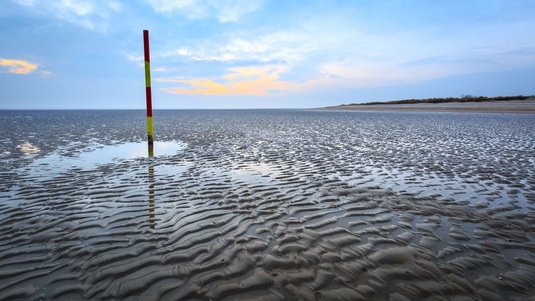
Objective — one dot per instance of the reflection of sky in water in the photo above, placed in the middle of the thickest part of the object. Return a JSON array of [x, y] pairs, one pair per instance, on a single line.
[[246, 172], [452, 187], [101, 154]]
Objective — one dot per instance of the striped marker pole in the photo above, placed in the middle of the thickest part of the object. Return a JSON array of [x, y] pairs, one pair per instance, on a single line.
[[148, 92]]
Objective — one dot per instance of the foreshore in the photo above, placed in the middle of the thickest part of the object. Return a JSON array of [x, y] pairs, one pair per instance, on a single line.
[[267, 205], [512, 106]]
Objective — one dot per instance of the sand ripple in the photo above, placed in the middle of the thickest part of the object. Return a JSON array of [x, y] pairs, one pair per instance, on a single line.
[[290, 205]]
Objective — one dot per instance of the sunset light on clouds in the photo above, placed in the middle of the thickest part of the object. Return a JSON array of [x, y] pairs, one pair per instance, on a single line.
[[241, 53], [255, 81], [17, 66]]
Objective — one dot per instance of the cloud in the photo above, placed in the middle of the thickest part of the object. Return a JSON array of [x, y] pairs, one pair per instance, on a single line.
[[233, 10], [279, 46], [332, 53], [271, 48], [223, 10], [256, 81], [354, 62], [265, 81], [191, 8], [90, 14], [18, 66]]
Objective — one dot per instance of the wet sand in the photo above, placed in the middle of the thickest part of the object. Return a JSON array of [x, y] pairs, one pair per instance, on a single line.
[[268, 205], [514, 106]]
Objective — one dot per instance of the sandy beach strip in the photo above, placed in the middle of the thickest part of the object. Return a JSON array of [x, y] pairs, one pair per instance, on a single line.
[[514, 106]]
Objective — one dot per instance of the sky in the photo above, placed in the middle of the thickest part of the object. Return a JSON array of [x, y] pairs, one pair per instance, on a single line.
[[88, 54]]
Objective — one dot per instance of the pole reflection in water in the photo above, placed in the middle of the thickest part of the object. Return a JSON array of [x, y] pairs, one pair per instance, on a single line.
[[151, 187], [150, 145]]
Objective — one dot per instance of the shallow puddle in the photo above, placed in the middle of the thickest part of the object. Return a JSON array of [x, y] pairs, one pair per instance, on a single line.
[[99, 154]]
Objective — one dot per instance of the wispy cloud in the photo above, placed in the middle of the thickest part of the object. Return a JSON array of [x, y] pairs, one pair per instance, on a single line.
[[223, 10], [17, 66], [257, 81], [349, 73], [339, 51], [90, 14], [275, 47], [314, 57]]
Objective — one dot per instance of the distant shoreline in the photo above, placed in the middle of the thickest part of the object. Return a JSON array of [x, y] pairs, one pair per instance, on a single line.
[[519, 106]]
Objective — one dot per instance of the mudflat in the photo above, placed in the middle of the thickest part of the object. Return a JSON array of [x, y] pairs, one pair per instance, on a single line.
[[267, 205], [512, 106]]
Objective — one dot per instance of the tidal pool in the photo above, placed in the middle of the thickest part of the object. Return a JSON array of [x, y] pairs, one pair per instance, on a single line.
[[99, 154]]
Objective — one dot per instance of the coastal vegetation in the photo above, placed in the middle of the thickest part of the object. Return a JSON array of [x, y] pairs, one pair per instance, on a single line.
[[464, 98]]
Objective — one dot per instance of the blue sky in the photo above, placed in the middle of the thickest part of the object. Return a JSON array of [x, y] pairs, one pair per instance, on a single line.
[[75, 54]]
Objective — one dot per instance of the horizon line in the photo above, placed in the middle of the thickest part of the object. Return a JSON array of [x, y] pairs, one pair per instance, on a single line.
[[126, 109]]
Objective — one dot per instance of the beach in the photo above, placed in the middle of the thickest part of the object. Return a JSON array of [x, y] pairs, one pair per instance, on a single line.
[[513, 106], [269, 205]]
